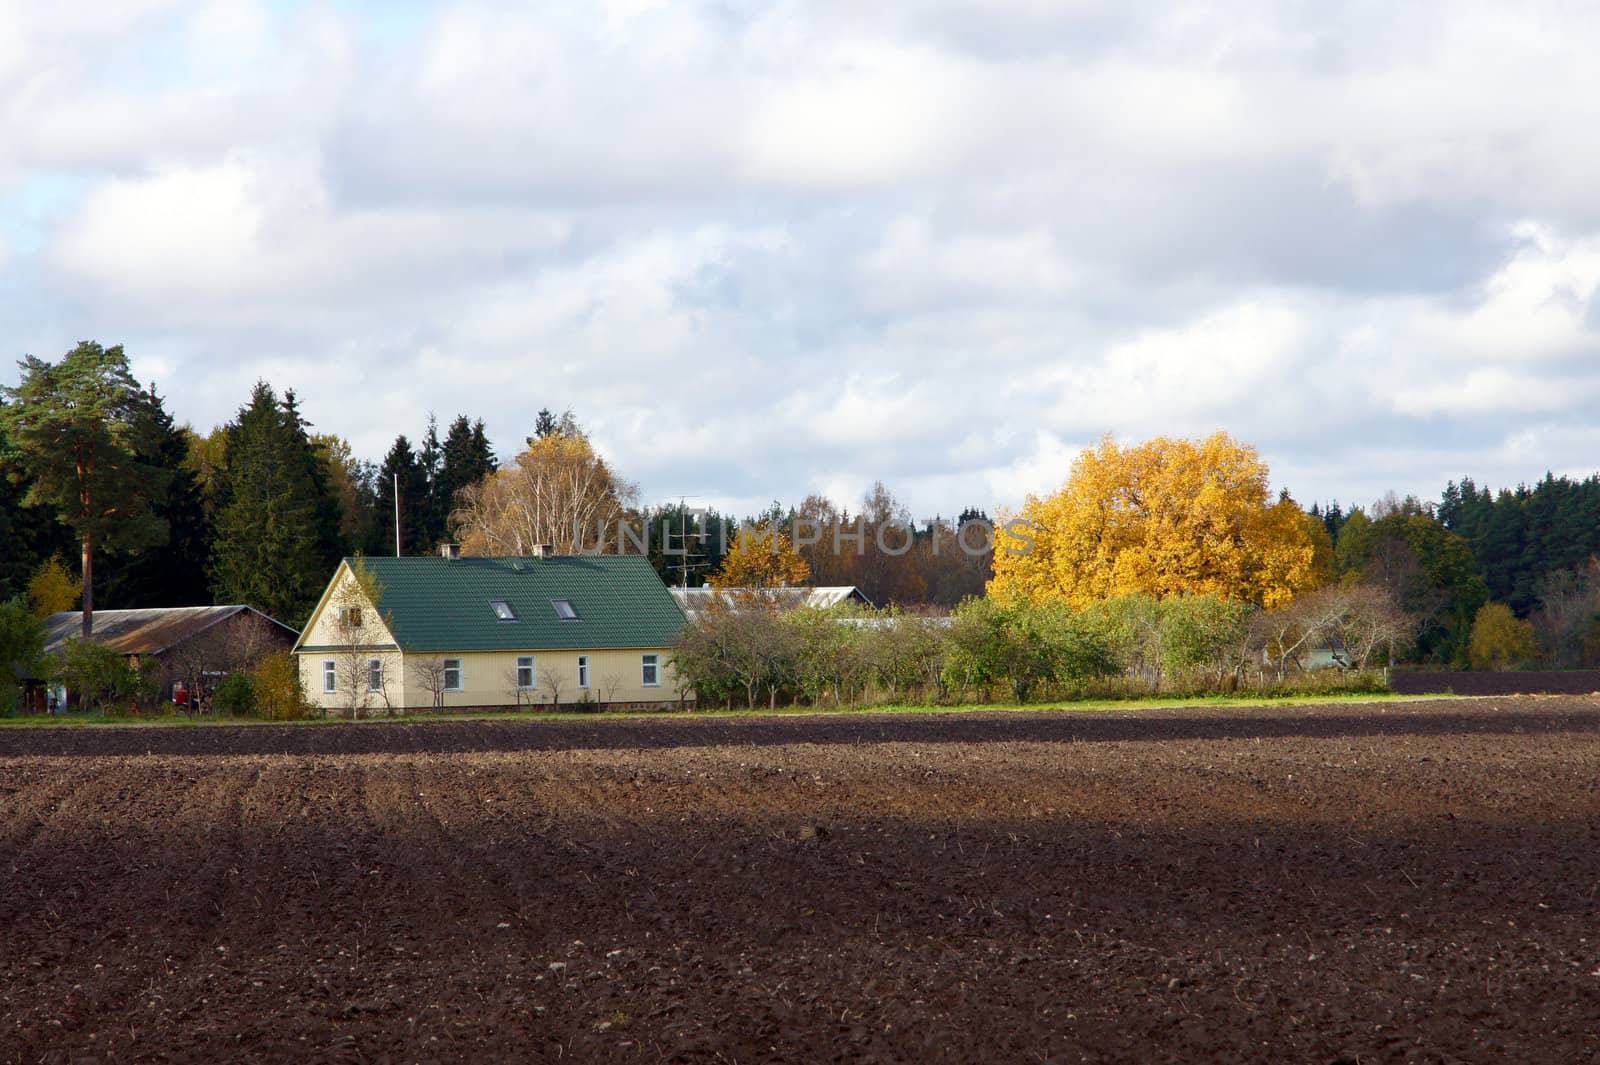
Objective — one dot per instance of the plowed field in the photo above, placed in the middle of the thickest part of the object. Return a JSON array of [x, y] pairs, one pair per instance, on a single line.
[[1385, 883]]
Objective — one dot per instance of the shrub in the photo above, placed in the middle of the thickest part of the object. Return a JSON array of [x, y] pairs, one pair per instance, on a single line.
[[1499, 640], [276, 685], [21, 650], [236, 695], [1023, 645], [101, 677]]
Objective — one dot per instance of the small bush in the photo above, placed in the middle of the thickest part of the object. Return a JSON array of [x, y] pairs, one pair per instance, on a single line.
[[236, 695], [276, 685]]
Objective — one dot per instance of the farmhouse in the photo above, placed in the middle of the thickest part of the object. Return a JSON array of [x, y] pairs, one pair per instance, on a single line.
[[451, 632], [193, 646]]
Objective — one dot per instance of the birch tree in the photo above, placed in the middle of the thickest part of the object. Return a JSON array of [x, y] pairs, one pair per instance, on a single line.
[[560, 492]]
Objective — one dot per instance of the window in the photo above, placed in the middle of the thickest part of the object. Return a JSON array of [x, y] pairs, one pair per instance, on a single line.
[[583, 671], [452, 674], [352, 617], [330, 676], [502, 610], [564, 609], [525, 672], [374, 674], [651, 677]]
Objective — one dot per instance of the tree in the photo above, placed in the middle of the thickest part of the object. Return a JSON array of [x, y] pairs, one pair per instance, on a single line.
[[1023, 644], [351, 482], [1373, 622], [555, 680], [278, 692], [172, 573], [21, 650], [101, 676], [31, 535], [907, 653], [608, 683], [1568, 618], [1205, 634], [434, 512], [431, 676], [401, 468], [1500, 640], [1428, 572], [277, 535], [560, 493], [53, 589], [465, 459], [1132, 629], [885, 570], [761, 557], [78, 428], [760, 649], [828, 654], [234, 646], [1167, 517], [361, 636]]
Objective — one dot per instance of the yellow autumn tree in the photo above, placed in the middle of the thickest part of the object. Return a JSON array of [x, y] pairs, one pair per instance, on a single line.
[[761, 557], [1164, 518], [559, 493], [53, 589]]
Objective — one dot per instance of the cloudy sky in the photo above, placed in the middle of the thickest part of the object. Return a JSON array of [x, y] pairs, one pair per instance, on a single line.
[[766, 249]]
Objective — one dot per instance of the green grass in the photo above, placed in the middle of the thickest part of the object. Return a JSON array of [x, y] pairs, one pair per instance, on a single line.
[[1153, 703]]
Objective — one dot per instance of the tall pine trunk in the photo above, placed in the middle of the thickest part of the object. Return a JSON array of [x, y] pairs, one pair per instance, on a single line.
[[85, 467]]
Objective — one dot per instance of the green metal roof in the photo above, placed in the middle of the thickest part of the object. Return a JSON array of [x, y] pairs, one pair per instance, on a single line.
[[439, 604]]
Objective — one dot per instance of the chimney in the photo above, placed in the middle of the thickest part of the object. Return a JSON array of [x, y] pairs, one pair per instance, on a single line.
[[543, 551], [450, 551]]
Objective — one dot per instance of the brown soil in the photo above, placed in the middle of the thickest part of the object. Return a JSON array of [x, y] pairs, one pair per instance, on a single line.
[[1388, 883], [1513, 682]]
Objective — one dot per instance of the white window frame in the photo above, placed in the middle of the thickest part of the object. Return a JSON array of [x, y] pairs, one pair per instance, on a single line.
[[503, 610], [533, 673], [374, 675], [460, 672], [564, 609], [650, 671], [330, 676], [583, 671]]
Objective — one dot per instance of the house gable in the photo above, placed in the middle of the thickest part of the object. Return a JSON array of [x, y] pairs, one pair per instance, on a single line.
[[325, 632]]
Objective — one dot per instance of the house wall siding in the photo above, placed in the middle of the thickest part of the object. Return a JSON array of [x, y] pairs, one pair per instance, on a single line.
[[489, 680]]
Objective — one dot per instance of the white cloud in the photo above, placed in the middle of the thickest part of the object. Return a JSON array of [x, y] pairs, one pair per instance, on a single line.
[[766, 250]]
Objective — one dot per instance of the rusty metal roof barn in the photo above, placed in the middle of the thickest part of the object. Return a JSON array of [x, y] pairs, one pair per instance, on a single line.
[[145, 632]]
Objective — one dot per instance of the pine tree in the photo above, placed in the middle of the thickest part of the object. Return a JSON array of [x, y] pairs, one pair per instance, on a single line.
[[78, 428], [277, 536]]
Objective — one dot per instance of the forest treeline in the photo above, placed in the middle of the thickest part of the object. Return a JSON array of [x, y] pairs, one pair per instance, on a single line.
[[259, 510]]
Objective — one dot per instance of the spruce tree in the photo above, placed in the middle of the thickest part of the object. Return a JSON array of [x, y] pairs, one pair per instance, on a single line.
[[174, 573], [465, 459], [401, 470], [433, 512], [277, 536]]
